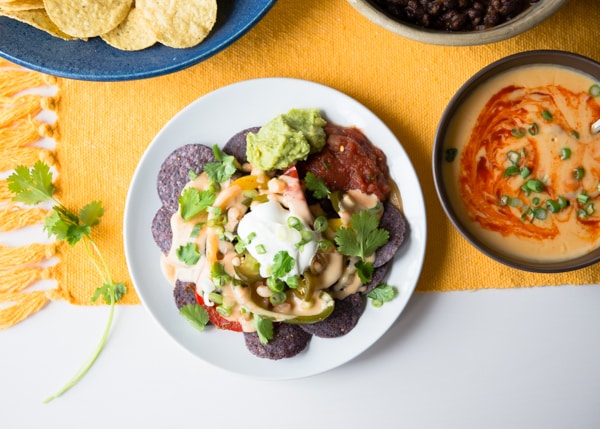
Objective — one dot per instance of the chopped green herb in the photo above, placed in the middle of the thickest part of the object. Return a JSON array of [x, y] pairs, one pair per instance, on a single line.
[[316, 185], [34, 186], [540, 213], [196, 315], [525, 172], [552, 206], [512, 170], [282, 264], [578, 173], [565, 153], [264, 328], [503, 200], [261, 249], [574, 134], [535, 185], [218, 274], [382, 294], [451, 154], [513, 156], [192, 201], [364, 271], [188, 254], [294, 223], [595, 90], [223, 168], [534, 129], [547, 115], [518, 132], [320, 224], [583, 198], [363, 237]]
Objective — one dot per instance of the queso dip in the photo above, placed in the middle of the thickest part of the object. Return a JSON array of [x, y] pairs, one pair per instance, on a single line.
[[522, 166]]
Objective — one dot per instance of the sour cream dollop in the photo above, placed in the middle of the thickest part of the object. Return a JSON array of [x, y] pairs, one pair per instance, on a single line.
[[267, 229]]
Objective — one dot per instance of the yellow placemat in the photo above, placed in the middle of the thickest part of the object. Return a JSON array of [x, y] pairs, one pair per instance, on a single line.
[[105, 127]]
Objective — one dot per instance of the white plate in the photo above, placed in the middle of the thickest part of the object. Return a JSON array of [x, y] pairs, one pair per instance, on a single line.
[[214, 118]]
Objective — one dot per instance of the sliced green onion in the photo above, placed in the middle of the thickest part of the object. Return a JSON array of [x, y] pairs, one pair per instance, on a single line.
[[565, 153], [574, 133], [590, 210], [534, 129], [583, 198], [525, 172], [320, 224], [278, 298], [504, 200], [515, 202], [513, 156], [547, 115], [595, 90], [512, 170], [563, 202], [535, 185], [540, 213], [275, 284], [518, 132], [295, 223], [324, 245], [552, 206], [535, 201], [578, 173], [217, 298], [260, 249], [223, 311]]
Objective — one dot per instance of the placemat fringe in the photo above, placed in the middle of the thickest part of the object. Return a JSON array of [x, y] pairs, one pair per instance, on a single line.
[[22, 131]]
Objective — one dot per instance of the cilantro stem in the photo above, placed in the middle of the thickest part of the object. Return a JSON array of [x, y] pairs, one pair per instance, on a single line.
[[92, 359]]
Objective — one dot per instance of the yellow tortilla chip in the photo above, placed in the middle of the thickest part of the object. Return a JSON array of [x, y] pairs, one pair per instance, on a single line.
[[180, 23], [87, 18], [133, 34], [21, 5], [37, 18]]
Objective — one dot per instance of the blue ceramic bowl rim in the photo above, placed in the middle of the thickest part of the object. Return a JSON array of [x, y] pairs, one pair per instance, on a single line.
[[94, 60], [551, 57]]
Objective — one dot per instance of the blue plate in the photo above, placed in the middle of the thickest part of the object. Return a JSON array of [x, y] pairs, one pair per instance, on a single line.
[[97, 61]]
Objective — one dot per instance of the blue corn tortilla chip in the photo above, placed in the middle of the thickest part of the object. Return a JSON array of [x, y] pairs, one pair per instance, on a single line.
[[161, 229], [288, 340], [395, 223], [174, 172], [342, 320], [236, 145]]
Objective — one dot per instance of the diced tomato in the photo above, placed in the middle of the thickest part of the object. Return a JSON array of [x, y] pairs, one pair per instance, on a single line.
[[218, 320]]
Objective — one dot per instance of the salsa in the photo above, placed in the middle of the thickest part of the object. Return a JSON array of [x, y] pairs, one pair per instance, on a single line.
[[350, 161]]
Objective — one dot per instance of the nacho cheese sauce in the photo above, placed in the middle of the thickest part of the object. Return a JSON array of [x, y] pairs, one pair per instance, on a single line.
[[526, 175]]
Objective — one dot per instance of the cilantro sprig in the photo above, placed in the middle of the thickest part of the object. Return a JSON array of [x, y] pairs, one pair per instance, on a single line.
[[221, 169], [381, 294], [317, 186], [361, 240], [363, 237], [34, 186]]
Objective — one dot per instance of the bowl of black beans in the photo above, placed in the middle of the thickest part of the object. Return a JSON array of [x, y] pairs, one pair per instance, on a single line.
[[457, 22]]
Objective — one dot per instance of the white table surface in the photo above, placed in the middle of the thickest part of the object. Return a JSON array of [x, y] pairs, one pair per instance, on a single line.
[[518, 358]]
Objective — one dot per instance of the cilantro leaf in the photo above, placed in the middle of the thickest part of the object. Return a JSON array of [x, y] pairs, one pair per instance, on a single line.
[[364, 271], [188, 254], [31, 186], [382, 294], [196, 315], [35, 186], [264, 328], [363, 237], [117, 290], [282, 264], [316, 185], [222, 169], [192, 201], [91, 213]]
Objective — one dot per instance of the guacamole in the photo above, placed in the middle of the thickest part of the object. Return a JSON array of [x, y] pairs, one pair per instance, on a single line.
[[286, 139]]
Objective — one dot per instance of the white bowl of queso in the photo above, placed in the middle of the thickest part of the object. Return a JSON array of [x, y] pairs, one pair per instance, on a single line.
[[516, 165]]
